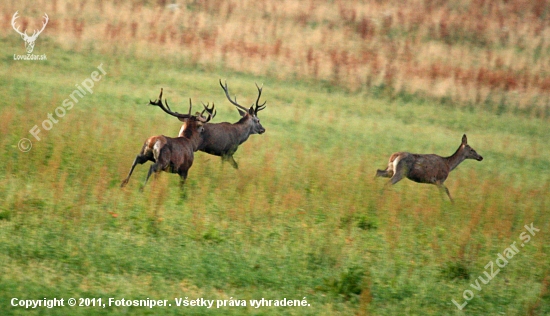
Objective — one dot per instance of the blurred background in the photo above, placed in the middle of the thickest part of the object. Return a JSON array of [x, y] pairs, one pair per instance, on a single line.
[[347, 83], [492, 54]]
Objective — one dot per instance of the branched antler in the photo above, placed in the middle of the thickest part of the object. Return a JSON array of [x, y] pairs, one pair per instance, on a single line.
[[166, 108], [258, 108]]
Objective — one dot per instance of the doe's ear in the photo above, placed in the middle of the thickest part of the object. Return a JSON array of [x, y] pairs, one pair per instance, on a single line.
[[464, 140]]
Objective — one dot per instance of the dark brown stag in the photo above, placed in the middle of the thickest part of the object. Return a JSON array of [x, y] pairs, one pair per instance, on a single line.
[[432, 169], [174, 155], [223, 139]]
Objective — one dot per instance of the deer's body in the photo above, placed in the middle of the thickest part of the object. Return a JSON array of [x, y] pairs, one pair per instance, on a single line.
[[173, 155], [223, 139], [427, 168]]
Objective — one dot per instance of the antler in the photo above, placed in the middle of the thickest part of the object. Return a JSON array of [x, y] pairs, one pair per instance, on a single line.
[[262, 106], [15, 17], [24, 34], [166, 108], [199, 116], [211, 113], [35, 34], [229, 97]]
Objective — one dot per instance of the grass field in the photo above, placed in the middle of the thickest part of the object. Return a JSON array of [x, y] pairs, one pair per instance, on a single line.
[[302, 217]]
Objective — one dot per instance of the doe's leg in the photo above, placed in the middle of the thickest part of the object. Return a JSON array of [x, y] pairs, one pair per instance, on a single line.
[[442, 188], [384, 173], [399, 173]]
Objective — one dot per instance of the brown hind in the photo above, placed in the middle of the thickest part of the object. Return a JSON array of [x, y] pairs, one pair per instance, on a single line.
[[431, 169]]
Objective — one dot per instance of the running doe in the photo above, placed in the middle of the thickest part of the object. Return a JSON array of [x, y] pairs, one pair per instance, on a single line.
[[431, 169]]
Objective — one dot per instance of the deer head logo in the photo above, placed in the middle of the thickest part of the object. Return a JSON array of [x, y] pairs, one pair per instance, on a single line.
[[29, 40]]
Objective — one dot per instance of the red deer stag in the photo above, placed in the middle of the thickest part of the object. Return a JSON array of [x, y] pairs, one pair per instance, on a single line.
[[223, 139], [169, 154], [432, 169]]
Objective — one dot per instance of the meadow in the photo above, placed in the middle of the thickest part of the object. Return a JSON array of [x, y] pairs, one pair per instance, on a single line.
[[303, 217]]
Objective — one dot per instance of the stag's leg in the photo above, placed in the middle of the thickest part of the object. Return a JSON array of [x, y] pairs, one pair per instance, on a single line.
[[140, 159], [162, 161], [154, 168], [183, 177], [231, 161]]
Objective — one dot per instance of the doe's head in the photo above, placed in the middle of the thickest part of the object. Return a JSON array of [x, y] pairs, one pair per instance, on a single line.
[[469, 152]]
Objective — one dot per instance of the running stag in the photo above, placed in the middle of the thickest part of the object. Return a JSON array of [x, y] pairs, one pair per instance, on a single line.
[[223, 139], [432, 169], [174, 155]]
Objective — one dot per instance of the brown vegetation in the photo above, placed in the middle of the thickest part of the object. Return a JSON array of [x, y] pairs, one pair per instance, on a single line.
[[464, 51]]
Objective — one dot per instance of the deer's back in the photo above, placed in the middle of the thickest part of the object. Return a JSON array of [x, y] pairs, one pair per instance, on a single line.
[[220, 139], [428, 168]]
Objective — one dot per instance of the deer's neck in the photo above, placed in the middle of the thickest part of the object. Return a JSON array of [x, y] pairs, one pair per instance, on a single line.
[[192, 135], [455, 159], [244, 128], [195, 140]]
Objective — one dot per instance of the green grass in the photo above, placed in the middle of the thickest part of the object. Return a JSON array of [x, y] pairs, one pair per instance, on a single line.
[[302, 217]]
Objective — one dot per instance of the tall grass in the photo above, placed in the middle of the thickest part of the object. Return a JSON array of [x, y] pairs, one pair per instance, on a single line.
[[302, 217], [473, 53]]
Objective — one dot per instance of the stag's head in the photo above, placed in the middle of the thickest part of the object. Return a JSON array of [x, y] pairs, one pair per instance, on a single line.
[[250, 114], [29, 40], [469, 152], [192, 124]]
